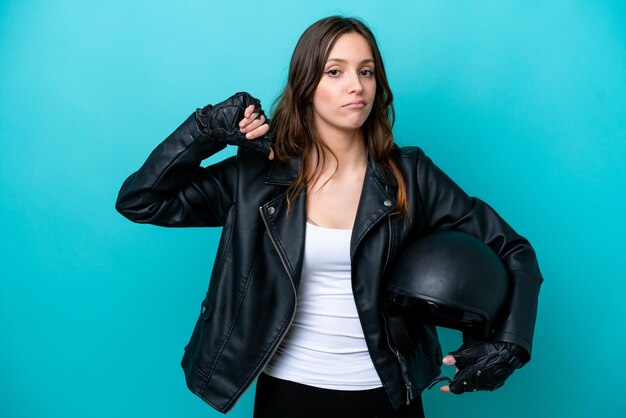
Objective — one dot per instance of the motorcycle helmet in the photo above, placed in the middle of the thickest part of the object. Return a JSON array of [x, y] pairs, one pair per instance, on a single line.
[[450, 279]]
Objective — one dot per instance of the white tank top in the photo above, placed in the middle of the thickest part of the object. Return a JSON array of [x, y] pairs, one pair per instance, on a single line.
[[325, 346]]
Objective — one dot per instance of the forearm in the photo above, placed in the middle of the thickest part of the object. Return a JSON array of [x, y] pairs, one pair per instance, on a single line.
[[448, 207], [167, 171]]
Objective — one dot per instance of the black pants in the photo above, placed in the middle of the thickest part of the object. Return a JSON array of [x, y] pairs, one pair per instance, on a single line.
[[278, 398]]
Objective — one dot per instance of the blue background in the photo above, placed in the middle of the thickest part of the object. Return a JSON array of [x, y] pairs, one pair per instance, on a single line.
[[521, 103]]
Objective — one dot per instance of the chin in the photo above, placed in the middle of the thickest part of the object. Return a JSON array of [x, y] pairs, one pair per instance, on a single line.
[[357, 125], [346, 124], [349, 128], [354, 123]]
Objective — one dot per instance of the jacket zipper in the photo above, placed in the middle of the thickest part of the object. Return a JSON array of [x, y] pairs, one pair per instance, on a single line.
[[295, 297], [293, 314], [407, 382]]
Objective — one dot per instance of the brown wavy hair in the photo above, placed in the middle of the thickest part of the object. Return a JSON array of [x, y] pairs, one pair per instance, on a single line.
[[291, 125]]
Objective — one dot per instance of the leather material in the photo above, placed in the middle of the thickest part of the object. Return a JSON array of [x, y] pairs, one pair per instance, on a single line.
[[221, 122], [485, 366], [251, 297]]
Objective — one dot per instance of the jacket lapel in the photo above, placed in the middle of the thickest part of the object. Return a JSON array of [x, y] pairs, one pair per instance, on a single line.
[[376, 202], [286, 232]]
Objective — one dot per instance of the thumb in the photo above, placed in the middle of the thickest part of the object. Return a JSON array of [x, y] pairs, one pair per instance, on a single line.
[[449, 360]]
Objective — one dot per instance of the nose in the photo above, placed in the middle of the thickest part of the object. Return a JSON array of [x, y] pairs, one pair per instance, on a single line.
[[355, 83]]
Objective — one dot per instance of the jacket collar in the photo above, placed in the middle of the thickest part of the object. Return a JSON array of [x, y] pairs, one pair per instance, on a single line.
[[285, 173]]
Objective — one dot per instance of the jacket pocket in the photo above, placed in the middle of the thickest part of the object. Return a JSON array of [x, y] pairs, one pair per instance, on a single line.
[[206, 310]]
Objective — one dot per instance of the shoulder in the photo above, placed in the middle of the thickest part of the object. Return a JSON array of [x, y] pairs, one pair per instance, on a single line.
[[250, 157], [409, 154]]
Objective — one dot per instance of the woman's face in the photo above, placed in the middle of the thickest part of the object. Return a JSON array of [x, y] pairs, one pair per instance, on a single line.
[[343, 99]]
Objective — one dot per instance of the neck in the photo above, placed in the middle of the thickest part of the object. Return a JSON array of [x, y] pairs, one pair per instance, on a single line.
[[350, 149]]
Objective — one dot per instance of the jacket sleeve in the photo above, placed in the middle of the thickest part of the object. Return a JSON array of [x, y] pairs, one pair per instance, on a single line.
[[171, 188], [448, 207]]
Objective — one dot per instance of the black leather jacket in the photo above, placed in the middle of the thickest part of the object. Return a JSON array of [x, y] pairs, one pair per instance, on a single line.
[[251, 297]]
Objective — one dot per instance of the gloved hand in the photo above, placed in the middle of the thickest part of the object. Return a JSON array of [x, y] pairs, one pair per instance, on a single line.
[[483, 366], [221, 122]]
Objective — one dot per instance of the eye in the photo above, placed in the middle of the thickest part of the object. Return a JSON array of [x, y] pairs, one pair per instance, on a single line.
[[367, 73], [333, 73]]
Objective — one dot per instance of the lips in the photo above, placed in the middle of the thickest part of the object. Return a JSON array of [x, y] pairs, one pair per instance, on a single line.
[[357, 104]]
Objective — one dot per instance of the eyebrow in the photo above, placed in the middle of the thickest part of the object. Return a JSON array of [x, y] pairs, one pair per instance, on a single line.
[[342, 60]]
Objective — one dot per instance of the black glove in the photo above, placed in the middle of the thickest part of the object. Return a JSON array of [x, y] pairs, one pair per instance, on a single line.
[[485, 366], [221, 122]]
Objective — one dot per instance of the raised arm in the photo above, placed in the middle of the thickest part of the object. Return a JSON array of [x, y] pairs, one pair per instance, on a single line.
[[172, 189]]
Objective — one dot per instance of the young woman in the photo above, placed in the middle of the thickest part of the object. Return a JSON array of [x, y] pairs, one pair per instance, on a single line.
[[315, 207]]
